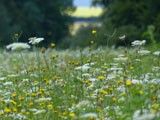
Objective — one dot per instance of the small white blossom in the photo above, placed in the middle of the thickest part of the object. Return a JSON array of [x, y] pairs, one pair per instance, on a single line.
[[121, 89], [115, 69], [83, 68], [36, 111], [111, 76], [7, 83], [121, 59], [155, 69], [155, 81], [17, 46], [92, 79], [143, 115], [134, 81], [2, 78], [18, 116], [35, 40], [39, 112]]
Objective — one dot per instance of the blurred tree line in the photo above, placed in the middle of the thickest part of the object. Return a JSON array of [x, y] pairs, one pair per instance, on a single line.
[[137, 19], [21, 19]]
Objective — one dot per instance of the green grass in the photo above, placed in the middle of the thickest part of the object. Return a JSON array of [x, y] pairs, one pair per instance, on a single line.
[[83, 84]]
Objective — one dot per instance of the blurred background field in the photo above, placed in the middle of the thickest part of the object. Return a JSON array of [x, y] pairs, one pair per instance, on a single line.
[[85, 16], [87, 12], [69, 24]]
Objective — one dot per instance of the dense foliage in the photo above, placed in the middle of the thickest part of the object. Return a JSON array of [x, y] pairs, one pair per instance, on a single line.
[[21, 19], [138, 19]]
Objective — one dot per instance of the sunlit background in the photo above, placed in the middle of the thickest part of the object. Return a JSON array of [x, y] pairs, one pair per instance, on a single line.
[[83, 3], [68, 23]]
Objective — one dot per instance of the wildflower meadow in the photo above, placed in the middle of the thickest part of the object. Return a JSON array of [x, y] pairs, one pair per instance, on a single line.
[[82, 84]]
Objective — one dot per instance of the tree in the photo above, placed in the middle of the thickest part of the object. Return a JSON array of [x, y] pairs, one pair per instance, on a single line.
[[29, 18], [131, 17]]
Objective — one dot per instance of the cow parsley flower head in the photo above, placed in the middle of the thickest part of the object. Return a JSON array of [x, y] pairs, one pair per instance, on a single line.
[[17, 46], [156, 53], [138, 43], [84, 68], [144, 52], [143, 115], [35, 40]]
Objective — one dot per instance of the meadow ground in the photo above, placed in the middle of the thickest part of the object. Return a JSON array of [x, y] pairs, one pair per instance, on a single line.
[[83, 84]]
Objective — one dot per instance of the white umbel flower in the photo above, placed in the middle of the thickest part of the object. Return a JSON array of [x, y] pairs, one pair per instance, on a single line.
[[143, 115], [156, 53], [18, 116], [35, 40], [138, 43], [83, 68], [144, 52], [17, 46], [37, 111]]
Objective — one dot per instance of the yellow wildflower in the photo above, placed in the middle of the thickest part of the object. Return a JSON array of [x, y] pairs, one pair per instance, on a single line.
[[7, 110], [72, 114], [94, 32], [53, 45], [14, 94], [15, 110], [13, 102], [155, 106], [141, 92], [100, 77], [50, 106], [128, 82], [103, 92]]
